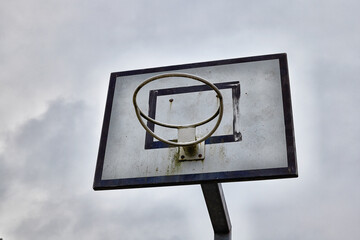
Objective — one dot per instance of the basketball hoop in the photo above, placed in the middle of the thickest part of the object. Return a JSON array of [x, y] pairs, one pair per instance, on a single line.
[[180, 128]]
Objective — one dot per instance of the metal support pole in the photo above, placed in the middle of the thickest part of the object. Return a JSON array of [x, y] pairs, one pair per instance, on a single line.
[[216, 205]]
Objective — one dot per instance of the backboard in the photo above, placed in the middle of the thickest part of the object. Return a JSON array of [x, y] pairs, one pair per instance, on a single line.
[[254, 140]]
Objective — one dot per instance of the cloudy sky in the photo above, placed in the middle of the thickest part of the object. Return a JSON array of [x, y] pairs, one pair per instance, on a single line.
[[55, 61]]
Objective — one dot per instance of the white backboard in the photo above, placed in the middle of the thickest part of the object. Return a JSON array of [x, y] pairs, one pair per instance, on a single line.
[[255, 139]]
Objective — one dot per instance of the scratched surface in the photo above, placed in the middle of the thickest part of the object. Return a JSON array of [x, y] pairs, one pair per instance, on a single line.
[[258, 115]]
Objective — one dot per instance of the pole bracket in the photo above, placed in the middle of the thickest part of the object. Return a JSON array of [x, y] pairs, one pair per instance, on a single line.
[[216, 205]]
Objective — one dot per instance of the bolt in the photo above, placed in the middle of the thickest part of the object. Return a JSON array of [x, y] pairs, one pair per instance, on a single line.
[[171, 100], [182, 156], [200, 155]]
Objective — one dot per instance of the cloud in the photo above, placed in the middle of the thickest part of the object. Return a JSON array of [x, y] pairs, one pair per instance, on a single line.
[[42, 165], [54, 70], [46, 178]]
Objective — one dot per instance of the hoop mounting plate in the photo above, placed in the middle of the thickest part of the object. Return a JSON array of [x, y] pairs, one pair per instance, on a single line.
[[193, 152]]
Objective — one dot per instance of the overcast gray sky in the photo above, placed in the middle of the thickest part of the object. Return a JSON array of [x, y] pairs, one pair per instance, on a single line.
[[55, 62]]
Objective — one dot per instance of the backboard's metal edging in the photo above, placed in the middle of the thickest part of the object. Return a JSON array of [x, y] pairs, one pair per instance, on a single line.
[[288, 115], [104, 131], [249, 175]]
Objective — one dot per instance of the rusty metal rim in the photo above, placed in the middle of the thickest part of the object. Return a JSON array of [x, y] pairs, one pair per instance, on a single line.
[[140, 114]]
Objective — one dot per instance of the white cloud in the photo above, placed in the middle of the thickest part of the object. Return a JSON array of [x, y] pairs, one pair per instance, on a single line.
[[55, 62]]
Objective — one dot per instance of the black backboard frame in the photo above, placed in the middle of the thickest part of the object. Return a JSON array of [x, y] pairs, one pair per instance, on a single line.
[[229, 176]]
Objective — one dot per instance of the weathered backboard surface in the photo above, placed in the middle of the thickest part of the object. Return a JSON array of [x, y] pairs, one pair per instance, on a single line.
[[255, 139]]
